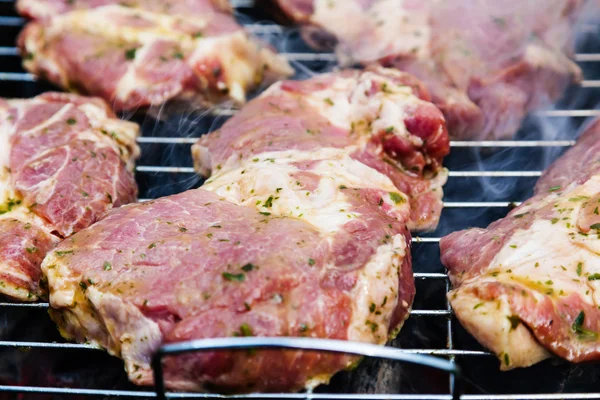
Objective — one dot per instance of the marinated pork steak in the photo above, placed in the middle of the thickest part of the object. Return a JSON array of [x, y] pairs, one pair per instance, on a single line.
[[352, 113], [64, 161], [284, 240], [486, 63], [527, 286], [138, 53]]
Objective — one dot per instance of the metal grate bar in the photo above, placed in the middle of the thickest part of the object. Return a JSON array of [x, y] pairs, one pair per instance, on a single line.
[[29, 77], [77, 346], [454, 143], [457, 174], [590, 83], [449, 337], [419, 239], [568, 113], [499, 174], [11, 21], [8, 51], [416, 313], [512, 143], [48, 345], [325, 345], [480, 204], [167, 140], [587, 57], [242, 3], [17, 76], [448, 204], [297, 396], [160, 168], [326, 57]]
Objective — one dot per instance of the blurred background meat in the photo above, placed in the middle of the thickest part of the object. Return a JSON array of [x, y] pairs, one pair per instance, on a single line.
[[487, 63], [141, 53]]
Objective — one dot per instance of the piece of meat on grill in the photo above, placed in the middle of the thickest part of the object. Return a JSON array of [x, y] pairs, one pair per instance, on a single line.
[[527, 286], [351, 112], [136, 54], [284, 240], [46, 9], [486, 63], [64, 161]]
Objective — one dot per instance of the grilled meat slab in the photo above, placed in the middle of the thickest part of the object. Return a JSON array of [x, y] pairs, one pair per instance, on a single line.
[[293, 235], [354, 113], [486, 63], [141, 53], [64, 161], [526, 286]]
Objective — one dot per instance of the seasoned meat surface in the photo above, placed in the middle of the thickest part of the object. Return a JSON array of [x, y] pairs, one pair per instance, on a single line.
[[293, 235], [352, 112], [136, 54], [64, 161], [486, 63], [526, 286]]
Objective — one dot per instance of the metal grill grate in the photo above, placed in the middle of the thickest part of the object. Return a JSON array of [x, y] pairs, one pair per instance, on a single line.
[[486, 178]]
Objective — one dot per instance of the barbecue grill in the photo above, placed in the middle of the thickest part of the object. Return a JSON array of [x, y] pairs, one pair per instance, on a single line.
[[486, 179]]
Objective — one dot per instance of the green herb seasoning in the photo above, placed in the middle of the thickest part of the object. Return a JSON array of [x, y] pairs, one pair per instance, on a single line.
[[130, 54], [397, 198], [248, 267], [514, 321], [233, 277], [269, 202], [245, 330], [578, 328], [578, 322]]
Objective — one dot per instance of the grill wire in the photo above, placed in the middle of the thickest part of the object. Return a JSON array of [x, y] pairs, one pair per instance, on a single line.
[[486, 179]]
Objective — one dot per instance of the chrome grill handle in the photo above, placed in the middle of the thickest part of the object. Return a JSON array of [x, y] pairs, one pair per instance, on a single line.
[[325, 345]]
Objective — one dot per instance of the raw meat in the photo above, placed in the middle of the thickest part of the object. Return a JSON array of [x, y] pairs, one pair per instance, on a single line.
[[292, 236], [64, 161], [354, 113], [527, 286], [140, 53], [486, 63]]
